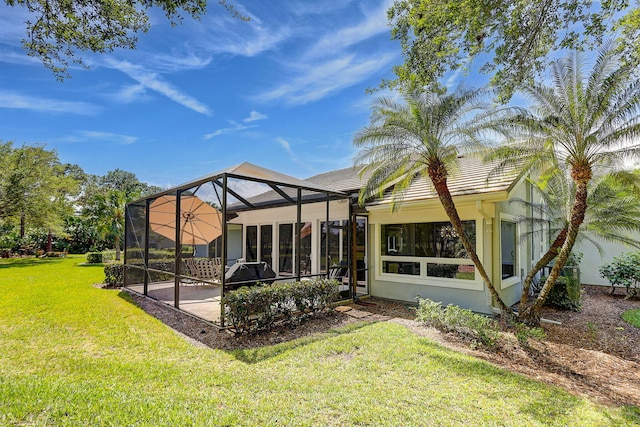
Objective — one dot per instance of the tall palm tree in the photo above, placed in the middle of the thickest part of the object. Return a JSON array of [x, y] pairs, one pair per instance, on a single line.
[[585, 121], [613, 213], [422, 137]]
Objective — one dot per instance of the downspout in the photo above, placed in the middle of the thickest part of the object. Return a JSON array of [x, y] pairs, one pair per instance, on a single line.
[[489, 225]]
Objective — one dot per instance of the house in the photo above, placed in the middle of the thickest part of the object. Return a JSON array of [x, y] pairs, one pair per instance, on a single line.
[[315, 227]]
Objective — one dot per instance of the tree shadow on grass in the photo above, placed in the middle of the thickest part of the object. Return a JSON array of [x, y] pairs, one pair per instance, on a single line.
[[541, 405], [27, 262], [259, 354]]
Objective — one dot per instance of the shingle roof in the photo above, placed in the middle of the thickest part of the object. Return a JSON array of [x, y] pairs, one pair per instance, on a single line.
[[347, 180], [472, 177]]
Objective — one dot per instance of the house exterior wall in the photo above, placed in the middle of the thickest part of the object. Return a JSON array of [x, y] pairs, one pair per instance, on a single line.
[[592, 259]]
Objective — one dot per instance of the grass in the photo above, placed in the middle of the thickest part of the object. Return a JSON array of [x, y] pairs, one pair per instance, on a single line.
[[632, 317], [72, 354]]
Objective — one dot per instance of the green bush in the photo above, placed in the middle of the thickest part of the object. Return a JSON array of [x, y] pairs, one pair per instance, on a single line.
[[481, 329], [250, 309], [566, 294], [94, 257], [114, 275], [108, 256], [624, 271]]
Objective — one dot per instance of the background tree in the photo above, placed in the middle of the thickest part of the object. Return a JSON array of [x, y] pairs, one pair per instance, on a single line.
[[585, 121], [518, 36], [59, 28], [110, 216], [34, 187], [422, 137]]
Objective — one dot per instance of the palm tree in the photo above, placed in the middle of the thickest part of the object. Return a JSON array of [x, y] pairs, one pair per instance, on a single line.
[[586, 122], [422, 137], [110, 215], [613, 212]]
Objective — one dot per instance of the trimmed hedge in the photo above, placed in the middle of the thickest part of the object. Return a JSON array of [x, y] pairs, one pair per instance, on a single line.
[[250, 309], [114, 275], [94, 257]]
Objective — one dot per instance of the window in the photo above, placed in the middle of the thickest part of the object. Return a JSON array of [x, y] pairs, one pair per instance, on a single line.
[[337, 244], [305, 248], [430, 249], [431, 239], [251, 246], [266, 243], [285, 248], [508, 248]]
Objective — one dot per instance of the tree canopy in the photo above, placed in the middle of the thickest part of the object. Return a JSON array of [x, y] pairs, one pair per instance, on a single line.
[[59, 28], [513, 37]]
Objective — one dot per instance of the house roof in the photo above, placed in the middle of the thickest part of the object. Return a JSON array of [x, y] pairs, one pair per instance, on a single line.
[[347, 180], [472, 177]]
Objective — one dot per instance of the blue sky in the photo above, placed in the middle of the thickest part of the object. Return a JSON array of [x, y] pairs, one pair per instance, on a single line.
[[285, 91]]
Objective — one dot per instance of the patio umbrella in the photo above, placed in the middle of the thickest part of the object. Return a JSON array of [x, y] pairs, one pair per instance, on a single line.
[[200, 223]]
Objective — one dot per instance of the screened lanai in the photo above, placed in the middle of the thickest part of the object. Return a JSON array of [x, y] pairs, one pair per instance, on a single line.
[[190, 245]]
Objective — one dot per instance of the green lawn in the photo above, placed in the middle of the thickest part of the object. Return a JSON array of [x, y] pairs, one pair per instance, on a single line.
[[632, 317], [72, 354]]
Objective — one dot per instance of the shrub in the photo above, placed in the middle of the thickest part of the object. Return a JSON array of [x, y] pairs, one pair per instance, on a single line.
[[481, 329], [108, 256], [566, 294], [94, 257], [114, 275], [250, 309], [524, 332], [624, 271]]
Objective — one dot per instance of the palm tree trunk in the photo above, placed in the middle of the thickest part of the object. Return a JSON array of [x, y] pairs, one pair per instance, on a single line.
[[551, 253], [438, 175], [531, 315]]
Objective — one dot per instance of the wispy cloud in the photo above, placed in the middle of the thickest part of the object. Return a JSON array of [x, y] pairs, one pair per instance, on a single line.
[[129, 93], [15, 100], [375, 23], [115, 138], [292, 155], [332, 62], [237, 127], [326, 78], [254, 116], [98, 136], [153, 81]]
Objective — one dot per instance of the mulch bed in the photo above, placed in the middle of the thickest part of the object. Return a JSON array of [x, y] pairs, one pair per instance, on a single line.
[[592, 353]]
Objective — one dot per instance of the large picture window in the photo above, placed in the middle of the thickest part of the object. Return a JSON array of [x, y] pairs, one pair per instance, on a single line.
[[431, 249], [429, 239]]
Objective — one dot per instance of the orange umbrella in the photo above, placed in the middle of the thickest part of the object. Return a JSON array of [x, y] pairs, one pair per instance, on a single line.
[[200, 223]]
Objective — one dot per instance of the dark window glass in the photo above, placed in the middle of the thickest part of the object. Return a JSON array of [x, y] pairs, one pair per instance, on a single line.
[[399, 267], [508, 248], [432, 239], [266, 243], [251, 247], [451, 271], [285, 248]]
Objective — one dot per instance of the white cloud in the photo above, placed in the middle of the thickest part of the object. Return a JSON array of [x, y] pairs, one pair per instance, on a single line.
[[292, 155], [115, 138], [254, 116], [375, 23], [14, 100], [237, 127], [326, 78], [129, 93], [153, 81]]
